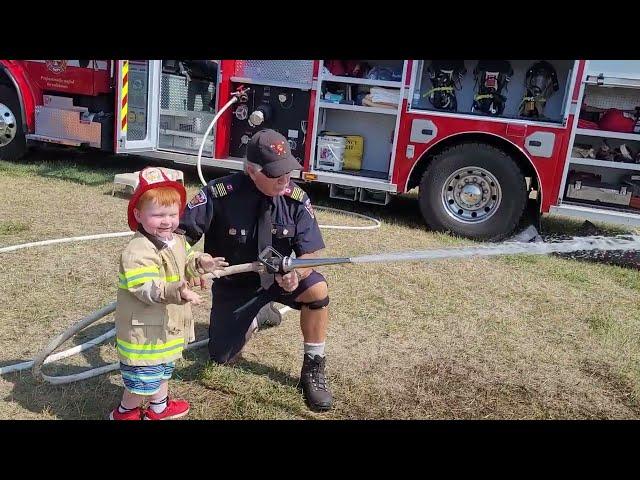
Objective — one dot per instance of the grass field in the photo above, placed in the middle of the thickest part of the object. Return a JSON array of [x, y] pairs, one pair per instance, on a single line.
[[520, 337]]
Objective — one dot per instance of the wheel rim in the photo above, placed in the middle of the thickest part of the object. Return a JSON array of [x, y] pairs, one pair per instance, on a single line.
[[8, 125], [471, 195]]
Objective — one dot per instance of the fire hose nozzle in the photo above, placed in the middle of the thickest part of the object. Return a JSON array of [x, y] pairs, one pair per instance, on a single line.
[[274, 262]]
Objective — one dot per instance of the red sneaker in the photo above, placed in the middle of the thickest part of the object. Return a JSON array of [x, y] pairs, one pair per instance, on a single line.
[[135, 414], [175, 409]]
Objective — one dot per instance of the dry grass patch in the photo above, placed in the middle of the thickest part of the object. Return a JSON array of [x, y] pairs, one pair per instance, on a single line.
[[510, 337]]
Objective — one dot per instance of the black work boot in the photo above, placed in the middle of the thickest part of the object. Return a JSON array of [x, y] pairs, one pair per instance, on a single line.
[[268, 316], [313, 383]]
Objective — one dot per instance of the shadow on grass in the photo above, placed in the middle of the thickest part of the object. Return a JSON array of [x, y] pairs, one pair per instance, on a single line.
[[92, 398]]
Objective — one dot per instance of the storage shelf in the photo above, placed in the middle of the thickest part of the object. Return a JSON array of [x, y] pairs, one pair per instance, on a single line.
[[180, 133], [613, 79], [207, 116], [607, 134], [342, 178], [358, 108], [607, 207], [359, 173], [362, 81], [605, 163], [598, 213]]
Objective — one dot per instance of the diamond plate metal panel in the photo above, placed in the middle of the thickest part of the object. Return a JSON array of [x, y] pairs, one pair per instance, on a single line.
[[299, 71], [66, 124], [621, 98], [137, 124], [173, 92], [177, 93]]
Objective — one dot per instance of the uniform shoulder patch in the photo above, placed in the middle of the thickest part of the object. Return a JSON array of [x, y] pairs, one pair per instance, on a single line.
[[295, 192], [222, 187], [200, 198], [309, 208]]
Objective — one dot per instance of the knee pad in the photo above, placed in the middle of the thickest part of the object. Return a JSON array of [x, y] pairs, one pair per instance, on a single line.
[[317, 304]]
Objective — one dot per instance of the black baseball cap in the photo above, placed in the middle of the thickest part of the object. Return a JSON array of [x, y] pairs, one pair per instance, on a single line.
[[271, 151]]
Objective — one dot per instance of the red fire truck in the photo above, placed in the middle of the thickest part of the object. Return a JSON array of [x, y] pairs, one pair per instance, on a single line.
[[486, 142]]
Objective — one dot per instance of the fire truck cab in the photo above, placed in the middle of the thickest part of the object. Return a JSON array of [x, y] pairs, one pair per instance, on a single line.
[[483, 146]]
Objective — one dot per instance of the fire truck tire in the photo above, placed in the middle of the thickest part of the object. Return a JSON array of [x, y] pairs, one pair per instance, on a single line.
[[474, 190], [13, 144]]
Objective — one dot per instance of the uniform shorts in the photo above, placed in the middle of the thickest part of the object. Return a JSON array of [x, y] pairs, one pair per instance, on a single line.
[[233, 310]]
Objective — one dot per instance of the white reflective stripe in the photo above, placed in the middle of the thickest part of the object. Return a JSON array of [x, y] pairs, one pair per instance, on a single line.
[[573, 108]]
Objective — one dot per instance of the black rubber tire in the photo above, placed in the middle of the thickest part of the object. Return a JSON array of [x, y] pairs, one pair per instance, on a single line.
[[17, 148], [500, 165]]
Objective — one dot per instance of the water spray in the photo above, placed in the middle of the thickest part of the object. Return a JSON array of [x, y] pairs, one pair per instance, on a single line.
[[273, 262]]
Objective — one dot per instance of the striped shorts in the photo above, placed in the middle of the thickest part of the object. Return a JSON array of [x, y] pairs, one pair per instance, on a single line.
[[145, 380]]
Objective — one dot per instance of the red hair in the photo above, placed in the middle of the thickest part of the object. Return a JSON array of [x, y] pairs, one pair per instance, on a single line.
[[163, 196]]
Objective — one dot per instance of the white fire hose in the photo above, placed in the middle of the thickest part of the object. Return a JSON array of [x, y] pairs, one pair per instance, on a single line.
[[45, 356]]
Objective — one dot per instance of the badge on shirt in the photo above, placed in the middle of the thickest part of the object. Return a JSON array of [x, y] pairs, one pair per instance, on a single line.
[[199, 199], [232, 231], [309, 208]]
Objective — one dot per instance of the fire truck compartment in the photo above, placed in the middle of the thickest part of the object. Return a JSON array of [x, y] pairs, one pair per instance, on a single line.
[[377, 131], [186, 109], [514, 91]]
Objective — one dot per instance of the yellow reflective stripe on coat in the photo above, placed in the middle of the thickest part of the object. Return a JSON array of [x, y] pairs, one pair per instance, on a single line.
[[144, 346], [138, 279], [143, 278], [134, 351], [150, 356], [137, 271]]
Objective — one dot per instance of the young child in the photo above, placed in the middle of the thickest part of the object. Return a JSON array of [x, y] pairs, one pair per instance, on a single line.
[[153, 312]]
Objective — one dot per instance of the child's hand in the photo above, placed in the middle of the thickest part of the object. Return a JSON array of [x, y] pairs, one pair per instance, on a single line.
[[199, 281], [189, 295], [208, 264]]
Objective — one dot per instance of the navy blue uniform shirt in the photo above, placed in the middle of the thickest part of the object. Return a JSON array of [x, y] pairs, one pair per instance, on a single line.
[[227, 213]]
